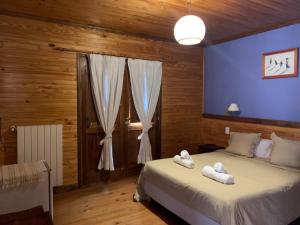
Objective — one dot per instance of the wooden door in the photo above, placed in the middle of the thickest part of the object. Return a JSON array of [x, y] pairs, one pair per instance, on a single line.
[[127, 129]]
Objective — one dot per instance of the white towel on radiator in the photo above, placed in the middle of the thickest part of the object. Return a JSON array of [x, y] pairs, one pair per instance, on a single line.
[[184, 162], [18, 174], [224, 178]]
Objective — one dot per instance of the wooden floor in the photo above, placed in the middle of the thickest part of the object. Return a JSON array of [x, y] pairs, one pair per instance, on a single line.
[[107, 204]]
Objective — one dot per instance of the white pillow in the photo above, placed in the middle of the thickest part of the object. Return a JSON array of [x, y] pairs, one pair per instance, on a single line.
[[264, 148]]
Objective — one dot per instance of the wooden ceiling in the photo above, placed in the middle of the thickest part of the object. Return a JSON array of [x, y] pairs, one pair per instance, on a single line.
[[224, 19]]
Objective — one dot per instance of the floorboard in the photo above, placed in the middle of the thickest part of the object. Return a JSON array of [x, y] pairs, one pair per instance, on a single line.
[[107, 204]]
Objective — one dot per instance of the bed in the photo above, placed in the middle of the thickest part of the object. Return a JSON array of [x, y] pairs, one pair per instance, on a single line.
[[28, 196], [263, 193]]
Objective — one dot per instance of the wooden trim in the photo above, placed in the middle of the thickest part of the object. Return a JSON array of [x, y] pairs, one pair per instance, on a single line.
[[73, 50], [295, 74], [158, 127], [80, 115], [279, 123], [0, 133], [126, 92]]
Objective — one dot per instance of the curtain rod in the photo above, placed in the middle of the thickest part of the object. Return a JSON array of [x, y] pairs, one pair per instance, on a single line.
[[91, 52]]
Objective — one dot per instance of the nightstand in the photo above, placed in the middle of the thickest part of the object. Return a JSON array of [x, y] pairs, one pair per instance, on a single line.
[[205, 148]]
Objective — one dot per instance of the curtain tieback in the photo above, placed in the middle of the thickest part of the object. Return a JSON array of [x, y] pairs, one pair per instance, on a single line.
[[145, 131], [107, 136]]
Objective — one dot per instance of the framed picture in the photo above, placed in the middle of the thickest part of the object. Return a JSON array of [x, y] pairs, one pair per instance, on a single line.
[[280, 64]]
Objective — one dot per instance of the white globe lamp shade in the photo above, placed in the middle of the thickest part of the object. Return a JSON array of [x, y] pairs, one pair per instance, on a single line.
[[189, 30]]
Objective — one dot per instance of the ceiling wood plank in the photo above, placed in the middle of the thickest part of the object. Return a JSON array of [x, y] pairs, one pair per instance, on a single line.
[[155, 19]]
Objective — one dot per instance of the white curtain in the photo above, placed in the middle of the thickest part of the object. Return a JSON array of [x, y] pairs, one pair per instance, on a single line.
[[145, 78], [107, 74]]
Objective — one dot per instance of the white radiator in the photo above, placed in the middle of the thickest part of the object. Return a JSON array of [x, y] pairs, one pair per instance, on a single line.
[[43, 142]]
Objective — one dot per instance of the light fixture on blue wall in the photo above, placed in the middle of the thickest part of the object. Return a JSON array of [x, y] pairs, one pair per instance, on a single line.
[[233, 109], [189, 29]]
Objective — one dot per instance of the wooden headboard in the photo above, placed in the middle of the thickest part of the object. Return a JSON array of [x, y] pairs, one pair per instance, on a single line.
[[213, 128]]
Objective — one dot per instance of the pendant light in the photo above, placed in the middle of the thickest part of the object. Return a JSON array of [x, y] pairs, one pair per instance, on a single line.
[[189, 29]]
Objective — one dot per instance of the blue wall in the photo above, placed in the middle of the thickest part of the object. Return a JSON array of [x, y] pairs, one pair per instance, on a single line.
[[233, 73]]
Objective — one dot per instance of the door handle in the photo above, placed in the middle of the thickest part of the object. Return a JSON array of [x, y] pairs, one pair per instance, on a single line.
[[88, 122]]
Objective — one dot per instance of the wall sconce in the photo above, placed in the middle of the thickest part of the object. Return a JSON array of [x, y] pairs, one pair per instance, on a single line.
[[233, 109]]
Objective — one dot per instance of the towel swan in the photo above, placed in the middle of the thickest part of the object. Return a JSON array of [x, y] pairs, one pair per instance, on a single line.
[[184, 159]]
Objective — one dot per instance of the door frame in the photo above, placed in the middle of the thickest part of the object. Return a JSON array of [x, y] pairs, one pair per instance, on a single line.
[[81, 124], [80, 137]]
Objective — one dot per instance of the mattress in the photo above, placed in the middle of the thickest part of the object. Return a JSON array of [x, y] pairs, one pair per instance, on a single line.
[[262, 194]]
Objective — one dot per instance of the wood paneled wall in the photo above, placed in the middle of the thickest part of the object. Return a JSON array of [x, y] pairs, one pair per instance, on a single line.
[[38, 85], [213, 130]]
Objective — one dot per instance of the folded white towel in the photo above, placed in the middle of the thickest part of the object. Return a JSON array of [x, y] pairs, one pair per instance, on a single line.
[[219, 167], [184, 154], [224, 178], [184, 162]]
